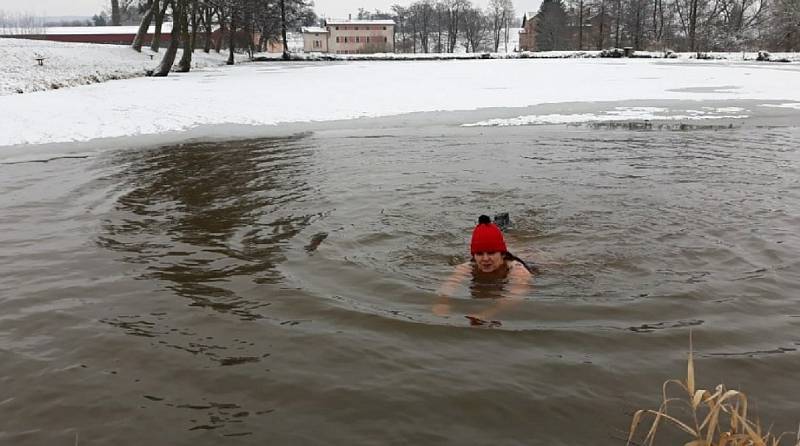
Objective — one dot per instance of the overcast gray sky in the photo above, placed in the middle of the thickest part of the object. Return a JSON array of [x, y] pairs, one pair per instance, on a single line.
[[328, 8]]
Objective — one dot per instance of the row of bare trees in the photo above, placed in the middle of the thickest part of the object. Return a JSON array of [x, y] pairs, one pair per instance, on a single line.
[[12, 23], [245, 25], [442, 26], [681, 25]]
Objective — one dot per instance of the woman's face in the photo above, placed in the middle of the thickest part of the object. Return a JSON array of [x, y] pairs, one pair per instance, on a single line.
[[488, 262]]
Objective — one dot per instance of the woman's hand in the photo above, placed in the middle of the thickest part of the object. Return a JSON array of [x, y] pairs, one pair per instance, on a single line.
[[441, 309], [477, 321]]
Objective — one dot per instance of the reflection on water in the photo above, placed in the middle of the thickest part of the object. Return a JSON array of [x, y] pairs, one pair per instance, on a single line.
[[244, 291], [199, 214]]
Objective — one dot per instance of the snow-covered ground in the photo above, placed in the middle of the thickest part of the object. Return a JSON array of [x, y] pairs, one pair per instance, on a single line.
[[272, 93], [71, 64]]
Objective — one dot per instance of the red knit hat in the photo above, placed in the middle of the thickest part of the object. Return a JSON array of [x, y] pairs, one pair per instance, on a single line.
[[486, 237]]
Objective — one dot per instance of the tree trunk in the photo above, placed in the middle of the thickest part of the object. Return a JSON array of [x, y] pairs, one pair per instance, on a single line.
[[580, 25], [221, 35], [160, 13], [283, 30], [194, 24], [175, 37], [116, 18], [185, 63], [691, 30], [209, 15], [600, 38], [138, 41], [231, 38], [618, 20]]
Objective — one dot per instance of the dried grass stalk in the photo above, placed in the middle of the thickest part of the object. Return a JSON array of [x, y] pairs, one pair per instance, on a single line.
[[723, 413]]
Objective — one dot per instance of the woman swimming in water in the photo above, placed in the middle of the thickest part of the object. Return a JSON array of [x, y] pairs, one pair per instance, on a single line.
[[490, 260]]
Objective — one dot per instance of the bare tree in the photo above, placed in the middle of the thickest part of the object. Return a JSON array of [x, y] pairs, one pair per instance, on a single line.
[[456, 8], [116, 17], [499, 12], [401, 20], [168, 60], [422, 17], [476, 26], [144, 26], [601, 21], [784, 25], [182, 21], [159, 18]]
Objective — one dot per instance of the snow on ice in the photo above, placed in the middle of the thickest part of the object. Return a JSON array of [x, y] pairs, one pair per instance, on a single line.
[[272, 93]]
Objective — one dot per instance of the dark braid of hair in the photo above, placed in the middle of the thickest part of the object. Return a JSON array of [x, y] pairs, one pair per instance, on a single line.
[[533, 269]]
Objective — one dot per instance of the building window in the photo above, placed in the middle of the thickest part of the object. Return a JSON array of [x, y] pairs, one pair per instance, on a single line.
[[384, 28], [337, 28], [337, 39], [356, 28], [345, 40], [316, 35], [367, 39], [357, 41], [385, 40]]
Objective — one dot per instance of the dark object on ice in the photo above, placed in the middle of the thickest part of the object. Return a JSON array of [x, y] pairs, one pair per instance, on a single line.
[[503, 221], [764, 56], [612, 52]]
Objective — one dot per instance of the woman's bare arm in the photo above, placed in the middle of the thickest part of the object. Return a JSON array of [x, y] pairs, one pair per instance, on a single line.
[[449, 287]]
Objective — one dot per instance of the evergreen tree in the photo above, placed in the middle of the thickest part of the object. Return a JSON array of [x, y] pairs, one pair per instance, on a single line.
[[551, 28]]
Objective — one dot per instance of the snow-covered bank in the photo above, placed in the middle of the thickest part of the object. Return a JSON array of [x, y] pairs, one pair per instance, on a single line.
[[274, 93], [71, 64]]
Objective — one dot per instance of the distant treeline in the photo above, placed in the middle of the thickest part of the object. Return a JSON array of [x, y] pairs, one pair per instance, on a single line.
[[678, 25], [447, 26]]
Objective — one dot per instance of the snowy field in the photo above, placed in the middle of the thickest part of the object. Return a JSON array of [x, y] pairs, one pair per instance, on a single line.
[[71, 64], [271, 93]]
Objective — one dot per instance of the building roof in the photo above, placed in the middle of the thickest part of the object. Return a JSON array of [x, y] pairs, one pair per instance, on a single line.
[[313, 29], [166, 28], [359, 22], [528, 17]]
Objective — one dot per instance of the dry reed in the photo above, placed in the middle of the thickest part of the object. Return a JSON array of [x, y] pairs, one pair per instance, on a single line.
[[713, 418]]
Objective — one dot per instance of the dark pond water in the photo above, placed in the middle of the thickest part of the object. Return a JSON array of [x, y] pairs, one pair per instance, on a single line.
[[279, 290]]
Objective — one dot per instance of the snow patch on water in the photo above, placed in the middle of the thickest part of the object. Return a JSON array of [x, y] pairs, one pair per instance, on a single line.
[[792, 105], [616, 114]]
